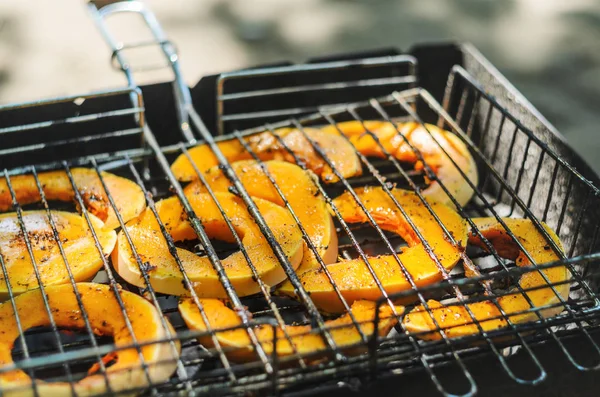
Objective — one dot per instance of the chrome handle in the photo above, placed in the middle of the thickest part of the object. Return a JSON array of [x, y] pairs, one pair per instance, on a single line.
[[100, 10]]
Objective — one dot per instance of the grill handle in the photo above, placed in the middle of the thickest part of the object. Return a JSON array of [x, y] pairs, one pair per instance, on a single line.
[[102, 9]]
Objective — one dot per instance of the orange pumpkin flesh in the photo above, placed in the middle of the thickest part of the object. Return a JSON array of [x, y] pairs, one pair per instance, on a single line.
[[128, 196], [343, 157], [301, 192], [105, 318], [75, 235], [353, 278], [455, 319], [268, 147], [162, 268], [394, 142], [239, 347]]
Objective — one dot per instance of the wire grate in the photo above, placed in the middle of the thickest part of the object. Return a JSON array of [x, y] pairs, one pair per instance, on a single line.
[[205, 371]]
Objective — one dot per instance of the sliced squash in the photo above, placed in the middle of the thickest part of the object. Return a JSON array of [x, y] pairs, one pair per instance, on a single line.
[[268, 147], [128, 196], [352, 277], [301, 192], [456, 321], [104, 314], [395, 142], [75, 236], [162, 268], [239, 347]]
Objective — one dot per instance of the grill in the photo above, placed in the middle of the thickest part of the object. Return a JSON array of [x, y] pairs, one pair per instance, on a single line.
[[525, 170]]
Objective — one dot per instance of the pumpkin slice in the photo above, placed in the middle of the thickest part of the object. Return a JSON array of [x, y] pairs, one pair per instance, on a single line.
[[104, 314], [239, 347], [162, 268], [128, 196], [78, 243], [300, 190], [267, 147], [394, 141], [456, 321], [353, 278]]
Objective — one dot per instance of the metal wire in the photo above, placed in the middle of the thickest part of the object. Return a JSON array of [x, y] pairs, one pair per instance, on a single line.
[[180, 90], [300, 84]]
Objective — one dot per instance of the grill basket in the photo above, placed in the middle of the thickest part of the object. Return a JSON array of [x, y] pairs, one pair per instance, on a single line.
[[526, 170]]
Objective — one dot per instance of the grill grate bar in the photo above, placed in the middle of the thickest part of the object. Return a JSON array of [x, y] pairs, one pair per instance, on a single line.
[[535, 179], [318, 87], [580, 218], [550, 190], [564, 210], [58, 143], [109, 161], [71, 120]]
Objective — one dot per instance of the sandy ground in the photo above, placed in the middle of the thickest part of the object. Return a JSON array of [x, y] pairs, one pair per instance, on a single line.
[[548, 48]]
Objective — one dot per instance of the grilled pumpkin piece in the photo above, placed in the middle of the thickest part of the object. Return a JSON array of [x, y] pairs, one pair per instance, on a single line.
[[78, 243], [238, 346], [455, 320], [353, 278], [104, 314], [162, 268], [128, 196], [301, 192], [268, 147], [395, 142]]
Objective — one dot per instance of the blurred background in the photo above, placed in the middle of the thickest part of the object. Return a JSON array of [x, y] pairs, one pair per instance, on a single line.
[[550, 49]]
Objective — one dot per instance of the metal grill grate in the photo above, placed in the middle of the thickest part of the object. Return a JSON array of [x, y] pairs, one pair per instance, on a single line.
[[150, 169], [519, 176]]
